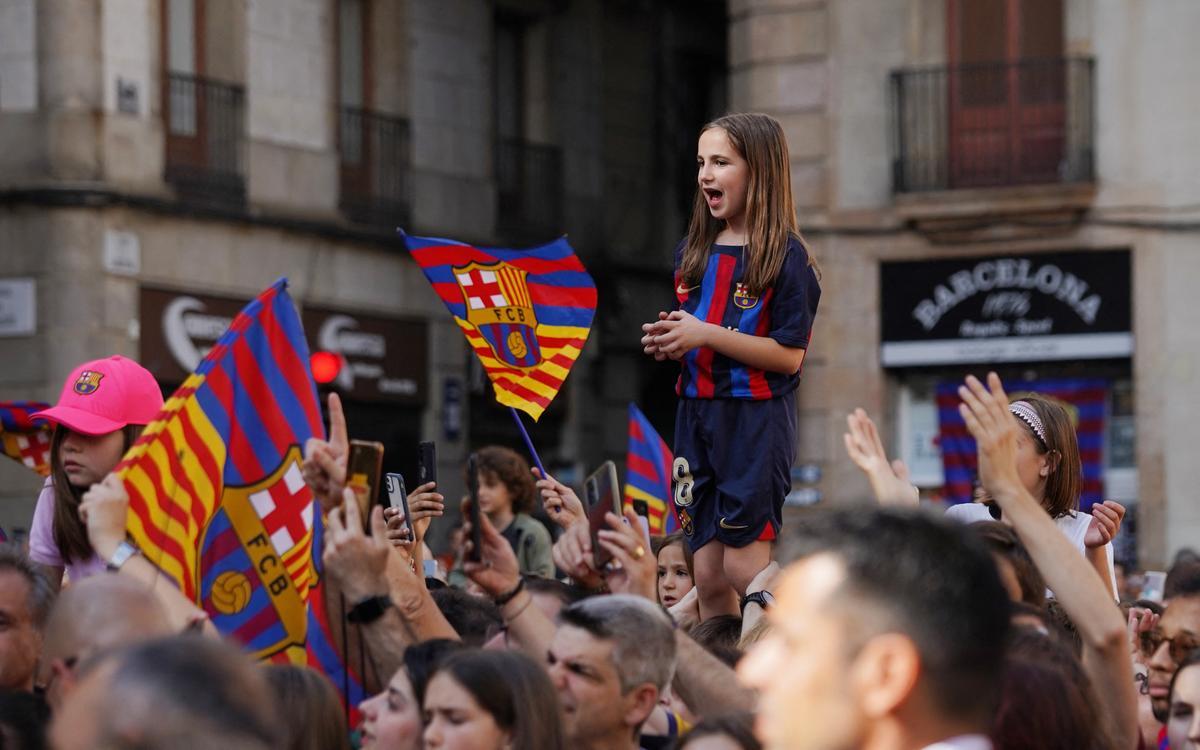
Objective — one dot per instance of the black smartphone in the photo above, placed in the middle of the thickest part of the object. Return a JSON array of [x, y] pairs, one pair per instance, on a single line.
[[603, 496], [426, 462], [398, 498], [475, 555], [362, 475]]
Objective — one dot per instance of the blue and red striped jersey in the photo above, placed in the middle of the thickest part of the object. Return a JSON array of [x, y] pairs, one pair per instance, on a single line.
[[784, 312]]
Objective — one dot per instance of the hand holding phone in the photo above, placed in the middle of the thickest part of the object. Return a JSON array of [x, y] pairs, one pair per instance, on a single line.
[[602, 495], [362, 475], [426, 462], [398, 499]]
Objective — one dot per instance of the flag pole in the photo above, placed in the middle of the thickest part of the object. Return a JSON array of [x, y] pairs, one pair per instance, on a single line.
[[528, 443]]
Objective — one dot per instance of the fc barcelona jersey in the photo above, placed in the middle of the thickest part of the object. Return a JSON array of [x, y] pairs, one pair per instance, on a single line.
[[783, 312]]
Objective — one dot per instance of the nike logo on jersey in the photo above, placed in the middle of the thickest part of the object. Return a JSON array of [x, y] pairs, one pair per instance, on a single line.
[[681, 289], [731, 526]]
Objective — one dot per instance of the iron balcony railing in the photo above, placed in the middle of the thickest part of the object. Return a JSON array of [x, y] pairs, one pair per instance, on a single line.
[[529, 179], [205, 139], [374, 160], [993, 124]]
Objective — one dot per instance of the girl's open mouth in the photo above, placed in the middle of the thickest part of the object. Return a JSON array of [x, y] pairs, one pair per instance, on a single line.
[[713, 196]]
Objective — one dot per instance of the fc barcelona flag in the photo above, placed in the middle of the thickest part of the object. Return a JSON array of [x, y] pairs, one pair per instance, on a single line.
[[1086, 400], [24, 438], [216, 498], [648, 463], [525, 313]]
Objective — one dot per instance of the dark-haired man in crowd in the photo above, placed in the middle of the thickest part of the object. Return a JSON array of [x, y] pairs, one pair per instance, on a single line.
[[1176, 634], [887, 634]]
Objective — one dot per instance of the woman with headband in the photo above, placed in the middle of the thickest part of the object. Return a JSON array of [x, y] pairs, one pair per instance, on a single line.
[[1049, 466]]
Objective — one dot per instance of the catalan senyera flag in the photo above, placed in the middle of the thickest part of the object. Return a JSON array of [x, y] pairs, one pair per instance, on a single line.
[[648, 466], [526, 313], [23, 438], [217, 500]]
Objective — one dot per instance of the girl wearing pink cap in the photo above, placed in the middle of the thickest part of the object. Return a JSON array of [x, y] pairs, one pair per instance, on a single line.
[[102, 409]]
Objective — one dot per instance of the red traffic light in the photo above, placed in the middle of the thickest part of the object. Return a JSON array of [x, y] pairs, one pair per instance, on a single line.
[[325, 366]]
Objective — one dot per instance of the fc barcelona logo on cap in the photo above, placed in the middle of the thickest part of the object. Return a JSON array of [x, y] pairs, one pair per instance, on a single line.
[[743, 298], [88, 382]]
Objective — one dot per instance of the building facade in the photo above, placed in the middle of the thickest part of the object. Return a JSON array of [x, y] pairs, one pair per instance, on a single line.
[[162, 161], [986, 183], [995, 184]]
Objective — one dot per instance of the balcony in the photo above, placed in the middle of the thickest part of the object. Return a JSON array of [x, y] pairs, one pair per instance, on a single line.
[[205, 140], [374, 167], [994, 125], [530, 191]]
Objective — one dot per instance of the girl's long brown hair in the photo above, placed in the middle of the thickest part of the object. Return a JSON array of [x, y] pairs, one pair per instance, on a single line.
[[70, 533], [1064, 483], [770, 211]]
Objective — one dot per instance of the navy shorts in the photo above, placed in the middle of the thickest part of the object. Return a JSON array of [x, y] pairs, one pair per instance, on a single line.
[[737, 455]]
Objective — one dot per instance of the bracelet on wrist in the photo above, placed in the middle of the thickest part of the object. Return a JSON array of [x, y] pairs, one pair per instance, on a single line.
[[508, 596], [520, 611], [369, 610]]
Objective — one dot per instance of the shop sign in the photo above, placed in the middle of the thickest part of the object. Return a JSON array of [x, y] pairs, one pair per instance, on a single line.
[[1010, 308], [383, 359]]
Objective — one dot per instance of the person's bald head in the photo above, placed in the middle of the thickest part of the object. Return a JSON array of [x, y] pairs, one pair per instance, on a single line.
[[97, 614]]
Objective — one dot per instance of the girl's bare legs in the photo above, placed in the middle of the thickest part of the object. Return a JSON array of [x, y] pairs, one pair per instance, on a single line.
[[716, 596]]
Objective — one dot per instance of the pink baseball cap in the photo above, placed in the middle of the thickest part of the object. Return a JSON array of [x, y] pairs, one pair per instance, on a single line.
[[105, 395]]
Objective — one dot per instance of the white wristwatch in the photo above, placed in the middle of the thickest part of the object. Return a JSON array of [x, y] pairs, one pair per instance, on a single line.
[[125, 550]]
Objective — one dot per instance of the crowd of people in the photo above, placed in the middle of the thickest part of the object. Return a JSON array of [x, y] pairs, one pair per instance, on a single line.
[[881, 626], [889, 625]]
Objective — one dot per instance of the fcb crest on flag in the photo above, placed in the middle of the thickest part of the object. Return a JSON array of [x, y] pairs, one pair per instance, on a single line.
[[216, 498], [498, 305], [526, 313]]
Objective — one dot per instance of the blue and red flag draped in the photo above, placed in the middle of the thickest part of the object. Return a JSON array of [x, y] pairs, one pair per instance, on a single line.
[[648, 477], [217, 500], [23, 438], [526, 313], [1086, 398]]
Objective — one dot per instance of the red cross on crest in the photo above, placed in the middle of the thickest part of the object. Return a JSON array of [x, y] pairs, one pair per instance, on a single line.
[[482, 288], [286, 509]]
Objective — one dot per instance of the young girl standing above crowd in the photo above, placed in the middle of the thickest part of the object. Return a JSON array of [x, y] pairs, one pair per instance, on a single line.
[[747, 291]]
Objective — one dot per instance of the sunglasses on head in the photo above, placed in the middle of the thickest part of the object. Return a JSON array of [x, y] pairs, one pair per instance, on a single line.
[[1178, 647]]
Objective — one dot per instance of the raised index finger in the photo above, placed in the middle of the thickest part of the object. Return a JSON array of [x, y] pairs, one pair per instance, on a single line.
[[337, 424]]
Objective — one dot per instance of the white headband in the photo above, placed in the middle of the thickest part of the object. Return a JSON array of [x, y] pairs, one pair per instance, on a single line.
[[1024, 412]]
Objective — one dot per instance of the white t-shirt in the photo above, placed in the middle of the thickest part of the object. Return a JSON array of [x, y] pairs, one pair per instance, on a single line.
[[1074, 527]]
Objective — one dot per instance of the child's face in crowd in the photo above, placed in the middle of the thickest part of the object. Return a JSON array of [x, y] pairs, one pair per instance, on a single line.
[[493, 495], [723, 175], [86, 459], [455, 721], [392, 719], [674, 580], [1183, 721]]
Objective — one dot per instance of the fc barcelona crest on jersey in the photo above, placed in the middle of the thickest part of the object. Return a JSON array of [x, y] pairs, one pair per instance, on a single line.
[[88, 382], [743, 298], [499, 306]]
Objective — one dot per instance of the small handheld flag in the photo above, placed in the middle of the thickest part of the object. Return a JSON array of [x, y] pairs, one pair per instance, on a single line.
[[526, 313], [25, 439], [648, 477], [216, 498]]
